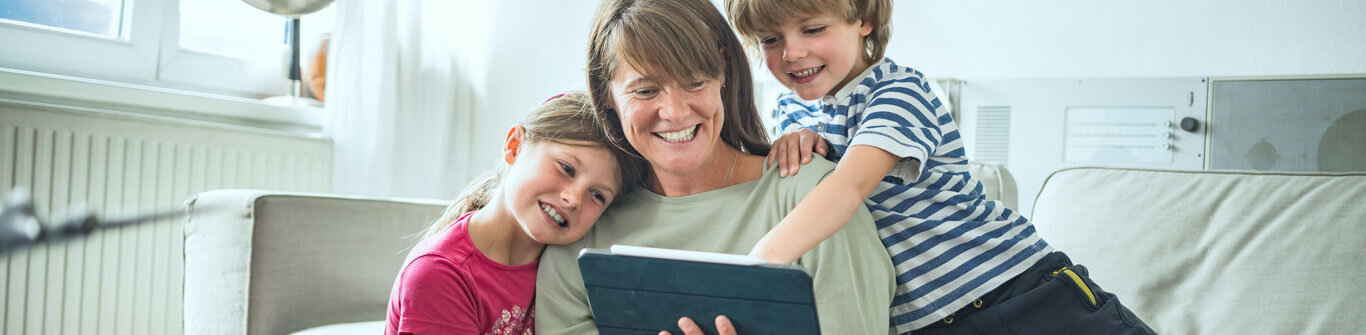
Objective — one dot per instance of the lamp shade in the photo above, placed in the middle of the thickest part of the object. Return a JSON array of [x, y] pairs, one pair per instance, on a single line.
[[289, 7]]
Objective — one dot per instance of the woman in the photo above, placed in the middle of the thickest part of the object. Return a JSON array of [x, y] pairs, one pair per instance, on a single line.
[[670, 82]]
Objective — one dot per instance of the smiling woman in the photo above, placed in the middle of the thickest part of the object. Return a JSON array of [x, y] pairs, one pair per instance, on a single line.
[[670, 82]]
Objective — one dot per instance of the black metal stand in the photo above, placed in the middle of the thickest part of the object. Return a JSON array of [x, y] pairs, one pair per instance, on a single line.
[[20, 227]]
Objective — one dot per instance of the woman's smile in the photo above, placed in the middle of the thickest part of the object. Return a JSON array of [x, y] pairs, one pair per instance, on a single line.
[[684, 135]]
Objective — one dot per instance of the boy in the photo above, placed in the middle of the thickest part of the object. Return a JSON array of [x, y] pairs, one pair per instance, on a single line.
[[956, 254]]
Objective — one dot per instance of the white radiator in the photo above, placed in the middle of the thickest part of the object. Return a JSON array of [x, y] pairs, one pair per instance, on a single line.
[[128, 280]]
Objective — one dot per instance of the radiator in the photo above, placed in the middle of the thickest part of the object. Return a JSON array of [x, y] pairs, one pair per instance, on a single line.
[[127, 280]]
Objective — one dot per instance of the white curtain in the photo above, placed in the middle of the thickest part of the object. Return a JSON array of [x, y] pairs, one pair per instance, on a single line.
[[399, 97]]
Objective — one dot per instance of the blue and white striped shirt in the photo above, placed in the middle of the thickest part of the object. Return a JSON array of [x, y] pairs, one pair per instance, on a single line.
[[948, 243]]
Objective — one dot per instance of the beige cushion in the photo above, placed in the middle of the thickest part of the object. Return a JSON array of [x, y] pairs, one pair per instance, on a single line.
[[996, 182], [1217, 252], [353, 328], [261, 262]]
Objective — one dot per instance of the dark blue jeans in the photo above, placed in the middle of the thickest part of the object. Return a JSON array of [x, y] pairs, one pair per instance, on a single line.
[[1052, 297]]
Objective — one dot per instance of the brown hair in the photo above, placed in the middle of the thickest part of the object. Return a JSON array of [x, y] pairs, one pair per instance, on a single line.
[[684, 40], [565, 119], [753, 17]]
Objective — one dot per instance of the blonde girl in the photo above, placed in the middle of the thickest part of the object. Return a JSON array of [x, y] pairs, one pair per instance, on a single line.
[[475, 270]]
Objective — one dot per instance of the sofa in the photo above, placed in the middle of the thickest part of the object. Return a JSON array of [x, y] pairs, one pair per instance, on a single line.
[[1217, 252], [1192, 252]]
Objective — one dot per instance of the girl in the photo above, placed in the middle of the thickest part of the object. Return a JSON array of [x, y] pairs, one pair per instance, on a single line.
[[475, 271]]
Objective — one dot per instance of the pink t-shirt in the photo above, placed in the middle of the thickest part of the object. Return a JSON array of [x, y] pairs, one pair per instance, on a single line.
[[448, 287]]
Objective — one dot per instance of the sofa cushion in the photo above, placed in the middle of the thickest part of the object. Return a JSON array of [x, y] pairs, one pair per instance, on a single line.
[[353, 328], [1217, 252]]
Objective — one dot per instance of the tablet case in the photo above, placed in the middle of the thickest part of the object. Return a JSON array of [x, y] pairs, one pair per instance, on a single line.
[[639, 295]]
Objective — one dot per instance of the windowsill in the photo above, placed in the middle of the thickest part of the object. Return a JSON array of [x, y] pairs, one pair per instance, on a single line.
[[99, 95]]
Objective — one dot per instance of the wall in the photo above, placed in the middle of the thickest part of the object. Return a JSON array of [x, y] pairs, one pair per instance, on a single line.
[[1016, 53], [535, 51], [1157, 38], [532, 53]]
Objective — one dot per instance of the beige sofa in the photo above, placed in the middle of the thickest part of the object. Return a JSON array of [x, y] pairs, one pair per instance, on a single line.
[[1192, 252], [1217, 252], [263, 262]]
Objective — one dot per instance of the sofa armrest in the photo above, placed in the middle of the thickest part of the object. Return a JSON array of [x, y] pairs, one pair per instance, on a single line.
[[264, 262]]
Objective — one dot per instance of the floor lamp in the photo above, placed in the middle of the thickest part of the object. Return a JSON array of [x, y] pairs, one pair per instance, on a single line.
[[292, 10]]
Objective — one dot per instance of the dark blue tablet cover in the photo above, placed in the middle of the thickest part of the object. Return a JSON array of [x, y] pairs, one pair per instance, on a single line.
[[639, 295]]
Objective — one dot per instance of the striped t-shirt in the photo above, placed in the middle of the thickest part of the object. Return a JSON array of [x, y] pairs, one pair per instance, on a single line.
[[948, 243]]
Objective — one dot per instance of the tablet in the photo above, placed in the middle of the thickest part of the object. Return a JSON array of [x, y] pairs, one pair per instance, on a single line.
[[638, 290]]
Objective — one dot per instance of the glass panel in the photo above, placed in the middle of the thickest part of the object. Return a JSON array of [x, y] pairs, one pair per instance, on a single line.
[[1288, 125], [102, 17], [234, 29]]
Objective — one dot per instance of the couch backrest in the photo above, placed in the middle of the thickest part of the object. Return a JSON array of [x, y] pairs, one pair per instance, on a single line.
[[260, 262], [1217, 252]]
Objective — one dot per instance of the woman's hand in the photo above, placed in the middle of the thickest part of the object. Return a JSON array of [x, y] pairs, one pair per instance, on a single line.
[[723, 326], [794, 149]]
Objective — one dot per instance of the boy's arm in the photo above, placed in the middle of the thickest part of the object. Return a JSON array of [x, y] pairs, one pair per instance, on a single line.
[[853, 278], [828, 207]]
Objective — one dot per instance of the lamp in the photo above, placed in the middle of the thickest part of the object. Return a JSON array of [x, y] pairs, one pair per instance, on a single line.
[[292, 10]]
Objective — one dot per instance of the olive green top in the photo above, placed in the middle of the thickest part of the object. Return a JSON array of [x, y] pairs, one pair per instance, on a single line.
[[851, 272]]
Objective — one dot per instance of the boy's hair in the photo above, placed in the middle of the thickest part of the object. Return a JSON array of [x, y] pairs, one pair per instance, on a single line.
[[753, 17], [564, 119], [682, 40]]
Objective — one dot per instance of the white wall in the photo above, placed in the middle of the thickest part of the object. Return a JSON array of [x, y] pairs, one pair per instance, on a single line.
[[1009, 51], [536, 50], [531, 52], [1148, 38]]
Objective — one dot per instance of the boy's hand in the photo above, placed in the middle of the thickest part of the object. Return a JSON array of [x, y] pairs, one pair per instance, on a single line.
[[794, 149]]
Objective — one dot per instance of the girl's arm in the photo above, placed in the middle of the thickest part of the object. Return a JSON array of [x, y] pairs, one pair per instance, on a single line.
[[828, 207]]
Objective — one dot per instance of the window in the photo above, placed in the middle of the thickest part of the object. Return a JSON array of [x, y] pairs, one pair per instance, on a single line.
[[98, 17], [213, 46]]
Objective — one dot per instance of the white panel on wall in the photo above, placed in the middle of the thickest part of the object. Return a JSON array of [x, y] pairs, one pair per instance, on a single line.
[[1038, 109], [1119, 135], [993, 135]]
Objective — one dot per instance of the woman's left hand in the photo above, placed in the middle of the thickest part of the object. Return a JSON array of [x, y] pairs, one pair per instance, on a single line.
[[689, 327]]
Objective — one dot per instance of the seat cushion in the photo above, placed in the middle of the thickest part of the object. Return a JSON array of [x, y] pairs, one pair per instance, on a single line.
[[353, 328], [1217, 252]]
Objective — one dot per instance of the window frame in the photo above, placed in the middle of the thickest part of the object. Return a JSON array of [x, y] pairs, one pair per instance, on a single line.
[[148, 53]]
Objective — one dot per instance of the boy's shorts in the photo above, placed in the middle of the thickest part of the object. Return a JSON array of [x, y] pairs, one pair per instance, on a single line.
[[1052, 297]]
